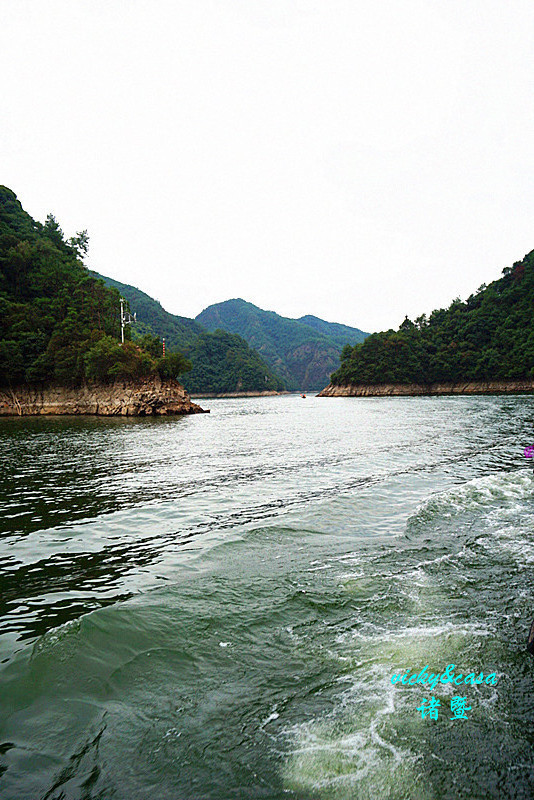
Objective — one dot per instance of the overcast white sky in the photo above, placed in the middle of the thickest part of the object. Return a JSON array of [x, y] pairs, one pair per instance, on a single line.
[[358, 160]]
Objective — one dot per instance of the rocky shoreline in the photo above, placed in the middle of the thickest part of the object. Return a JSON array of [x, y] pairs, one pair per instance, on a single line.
[[414, 389], [127, 398]]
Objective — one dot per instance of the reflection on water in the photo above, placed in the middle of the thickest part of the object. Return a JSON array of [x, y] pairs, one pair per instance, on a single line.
[[255, 577]]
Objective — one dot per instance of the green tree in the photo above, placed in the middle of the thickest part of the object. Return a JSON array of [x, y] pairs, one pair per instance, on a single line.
[[80, 244], [52, 231]]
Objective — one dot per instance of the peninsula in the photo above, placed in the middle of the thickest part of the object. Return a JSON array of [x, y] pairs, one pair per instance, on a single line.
[[483, 345], [64, 344]]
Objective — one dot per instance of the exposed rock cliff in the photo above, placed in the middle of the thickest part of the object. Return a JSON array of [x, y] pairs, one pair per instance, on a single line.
[[410, 389], [124, 397]]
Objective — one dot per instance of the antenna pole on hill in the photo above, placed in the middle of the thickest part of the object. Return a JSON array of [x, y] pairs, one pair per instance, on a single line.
[[126, 319]]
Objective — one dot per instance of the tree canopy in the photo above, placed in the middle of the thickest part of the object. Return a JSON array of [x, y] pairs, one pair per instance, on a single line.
[[58, 322], [490, 336]]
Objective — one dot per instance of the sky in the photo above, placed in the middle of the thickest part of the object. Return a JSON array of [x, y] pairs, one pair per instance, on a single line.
[[359, 160]]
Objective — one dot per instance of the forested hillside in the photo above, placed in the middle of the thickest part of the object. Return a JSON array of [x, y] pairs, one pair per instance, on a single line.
[[221, 362], [337, 333], [179, 332], [302, 353], [57, 322], [488, 337]]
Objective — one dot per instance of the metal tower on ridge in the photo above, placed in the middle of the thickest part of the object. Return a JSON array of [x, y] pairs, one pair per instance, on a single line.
[[126, 319]]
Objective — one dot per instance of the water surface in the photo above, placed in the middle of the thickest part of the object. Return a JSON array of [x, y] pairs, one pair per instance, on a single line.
[[213, 606]]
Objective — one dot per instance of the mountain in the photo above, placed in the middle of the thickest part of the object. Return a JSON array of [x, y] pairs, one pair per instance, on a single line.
[[341, 334], [302, 351], [489, 337], [221, 362]]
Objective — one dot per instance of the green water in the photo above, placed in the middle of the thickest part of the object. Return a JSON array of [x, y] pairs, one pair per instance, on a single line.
[[213, 607]]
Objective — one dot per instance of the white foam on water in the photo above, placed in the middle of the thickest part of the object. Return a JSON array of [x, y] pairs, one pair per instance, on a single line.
[[515, 537], [347, 754], [431, 562], [354, 751], [498, 488], [272, 716]]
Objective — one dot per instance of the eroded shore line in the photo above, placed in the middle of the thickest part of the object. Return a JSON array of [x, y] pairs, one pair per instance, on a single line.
[[128, 398], [415, 389]]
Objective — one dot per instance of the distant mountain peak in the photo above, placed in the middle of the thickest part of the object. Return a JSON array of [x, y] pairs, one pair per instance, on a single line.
[[221, 362], [304, 352]]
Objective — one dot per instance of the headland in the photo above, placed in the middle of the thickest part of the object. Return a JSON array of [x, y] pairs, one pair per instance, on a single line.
[[124, 397]]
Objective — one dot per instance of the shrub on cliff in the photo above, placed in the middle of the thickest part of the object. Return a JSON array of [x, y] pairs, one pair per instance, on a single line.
[[173, 365], [107, 359]]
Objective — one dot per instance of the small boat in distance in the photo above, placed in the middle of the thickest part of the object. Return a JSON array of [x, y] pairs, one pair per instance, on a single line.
[[303, 395]]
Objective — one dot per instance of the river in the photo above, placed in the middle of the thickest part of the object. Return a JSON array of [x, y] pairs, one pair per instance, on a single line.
[[212, 607]]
